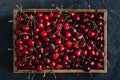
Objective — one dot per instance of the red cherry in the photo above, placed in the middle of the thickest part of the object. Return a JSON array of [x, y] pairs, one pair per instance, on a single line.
[[91, 63], [66, 57], [58, 41], [25, 15], [39, 14], [67, 34], [46, 39], [85, 30], [57, 15], [46, 17], [51, 14], [84, 53], [99, 16], [53, 64], [61, 48], [47, 61], [85, 14], [90, 42], [43, 33], [25, 37], [87, 68], [30, 49], [18, 42], [20, 48], [73, 39], [18, 64], [77, 53], [17, 32], [77, 60], [82, 44], [39, 68], [55, 56], [82, 26], [92, 15], [72, 57], [98, 65], [40, 25], [58, 26], [52, 36], [77, 17], [25, 28], [19, 19], [25, 52], [62, 19], [80, 36], [66, 26], [59, 66], [41, 50], [100, 23], [24, 46], [68, 43], [75, 45], [72, 13], [52, 46], [91, 34], [36, 36], [92, 53], [30, 42], [36, 30]]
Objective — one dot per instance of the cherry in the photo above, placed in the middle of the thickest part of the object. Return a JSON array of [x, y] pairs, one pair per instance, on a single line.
[[47, 61], [73, 39], [82, 26], [72, 13], [41, 50], [17, 32], [51, 14], [25, 52], [40, 26], [24, 46], [92, 53], [19, 19], [66, 26], [57, 15], [68, 43], [82, 44], [25, 15], [77, 17], [90, 42], [100, 23], [77, 60], [30, 42], [39, 14], [52, 36], [25, 28], [25, 37], [20, 48], [59, 66], [46, 17], [52, 64], [80, 36], [39, 68], [76, 66], [39, 56], [72, 57], [76, 45], [30, 49], [91, 63], [43, 33], [46, 39], [18, 64], [66, 57], [98, 65], [52, 46], [84, 53], [85, 30], [38, 42], [77, 53], [87, 68], [58, 26], [58, 41], [18, 42], [61, 48], [99, 16], [36, 36], [91, 16], [55, 56], [62, 19], [91, 33], [85, 14], [67, 34]]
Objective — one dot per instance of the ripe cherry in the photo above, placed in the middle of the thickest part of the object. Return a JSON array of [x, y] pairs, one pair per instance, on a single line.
[[58, 41], [67, 34], [61, 48], [39, 68], [40, 26], [46, 17], [82, 26], [91, 33], [98, 65], [82, 44], [66, 26], [68, 43], [80, 36], [39, 14], [84, 53], [43, 33], [19, 19], [18, 42], [51, 14], [52, 64], [30, 42], [77, 53], [55, 56]]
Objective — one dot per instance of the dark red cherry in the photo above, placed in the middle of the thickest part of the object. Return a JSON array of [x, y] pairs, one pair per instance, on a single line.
[[72, 13], [66, 26], [72, 57], [82, 26], [84, 52], [39, 14], [36, 30], [85, 30], [18, 42], [58, 26], [20, 48], [47, 61], [61, 48], [46, 17], [17, 32], [52, 36], [100, 23], [58, 41], [43, 33], [82, 44], [91, 16], [90, 42], [25, 52], [46, 39], [25, 37], [67, 34], [39, 68], [51, 14], [30, 49], [41, 50], [92, 53], [91, 33], [30, 42], [66, 57], [52, 64], [40, 26], [98, 65], [68, 43], [80, 36], [19, 19], [77, 53], [55, 56], [76, 45]]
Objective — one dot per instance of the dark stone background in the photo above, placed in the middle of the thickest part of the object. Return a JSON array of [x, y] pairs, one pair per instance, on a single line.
[[6, 14]]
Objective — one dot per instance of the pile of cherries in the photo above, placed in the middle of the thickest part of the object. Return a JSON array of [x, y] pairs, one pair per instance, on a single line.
[[59, 40]]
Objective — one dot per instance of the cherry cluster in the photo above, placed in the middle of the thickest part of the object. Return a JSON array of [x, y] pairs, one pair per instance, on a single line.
[[59, 40]]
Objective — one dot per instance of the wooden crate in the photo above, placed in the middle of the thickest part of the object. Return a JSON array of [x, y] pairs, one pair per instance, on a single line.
[[15, 12]]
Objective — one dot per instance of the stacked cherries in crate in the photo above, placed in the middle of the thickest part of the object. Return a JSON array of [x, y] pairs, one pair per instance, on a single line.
[[59, 40]]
